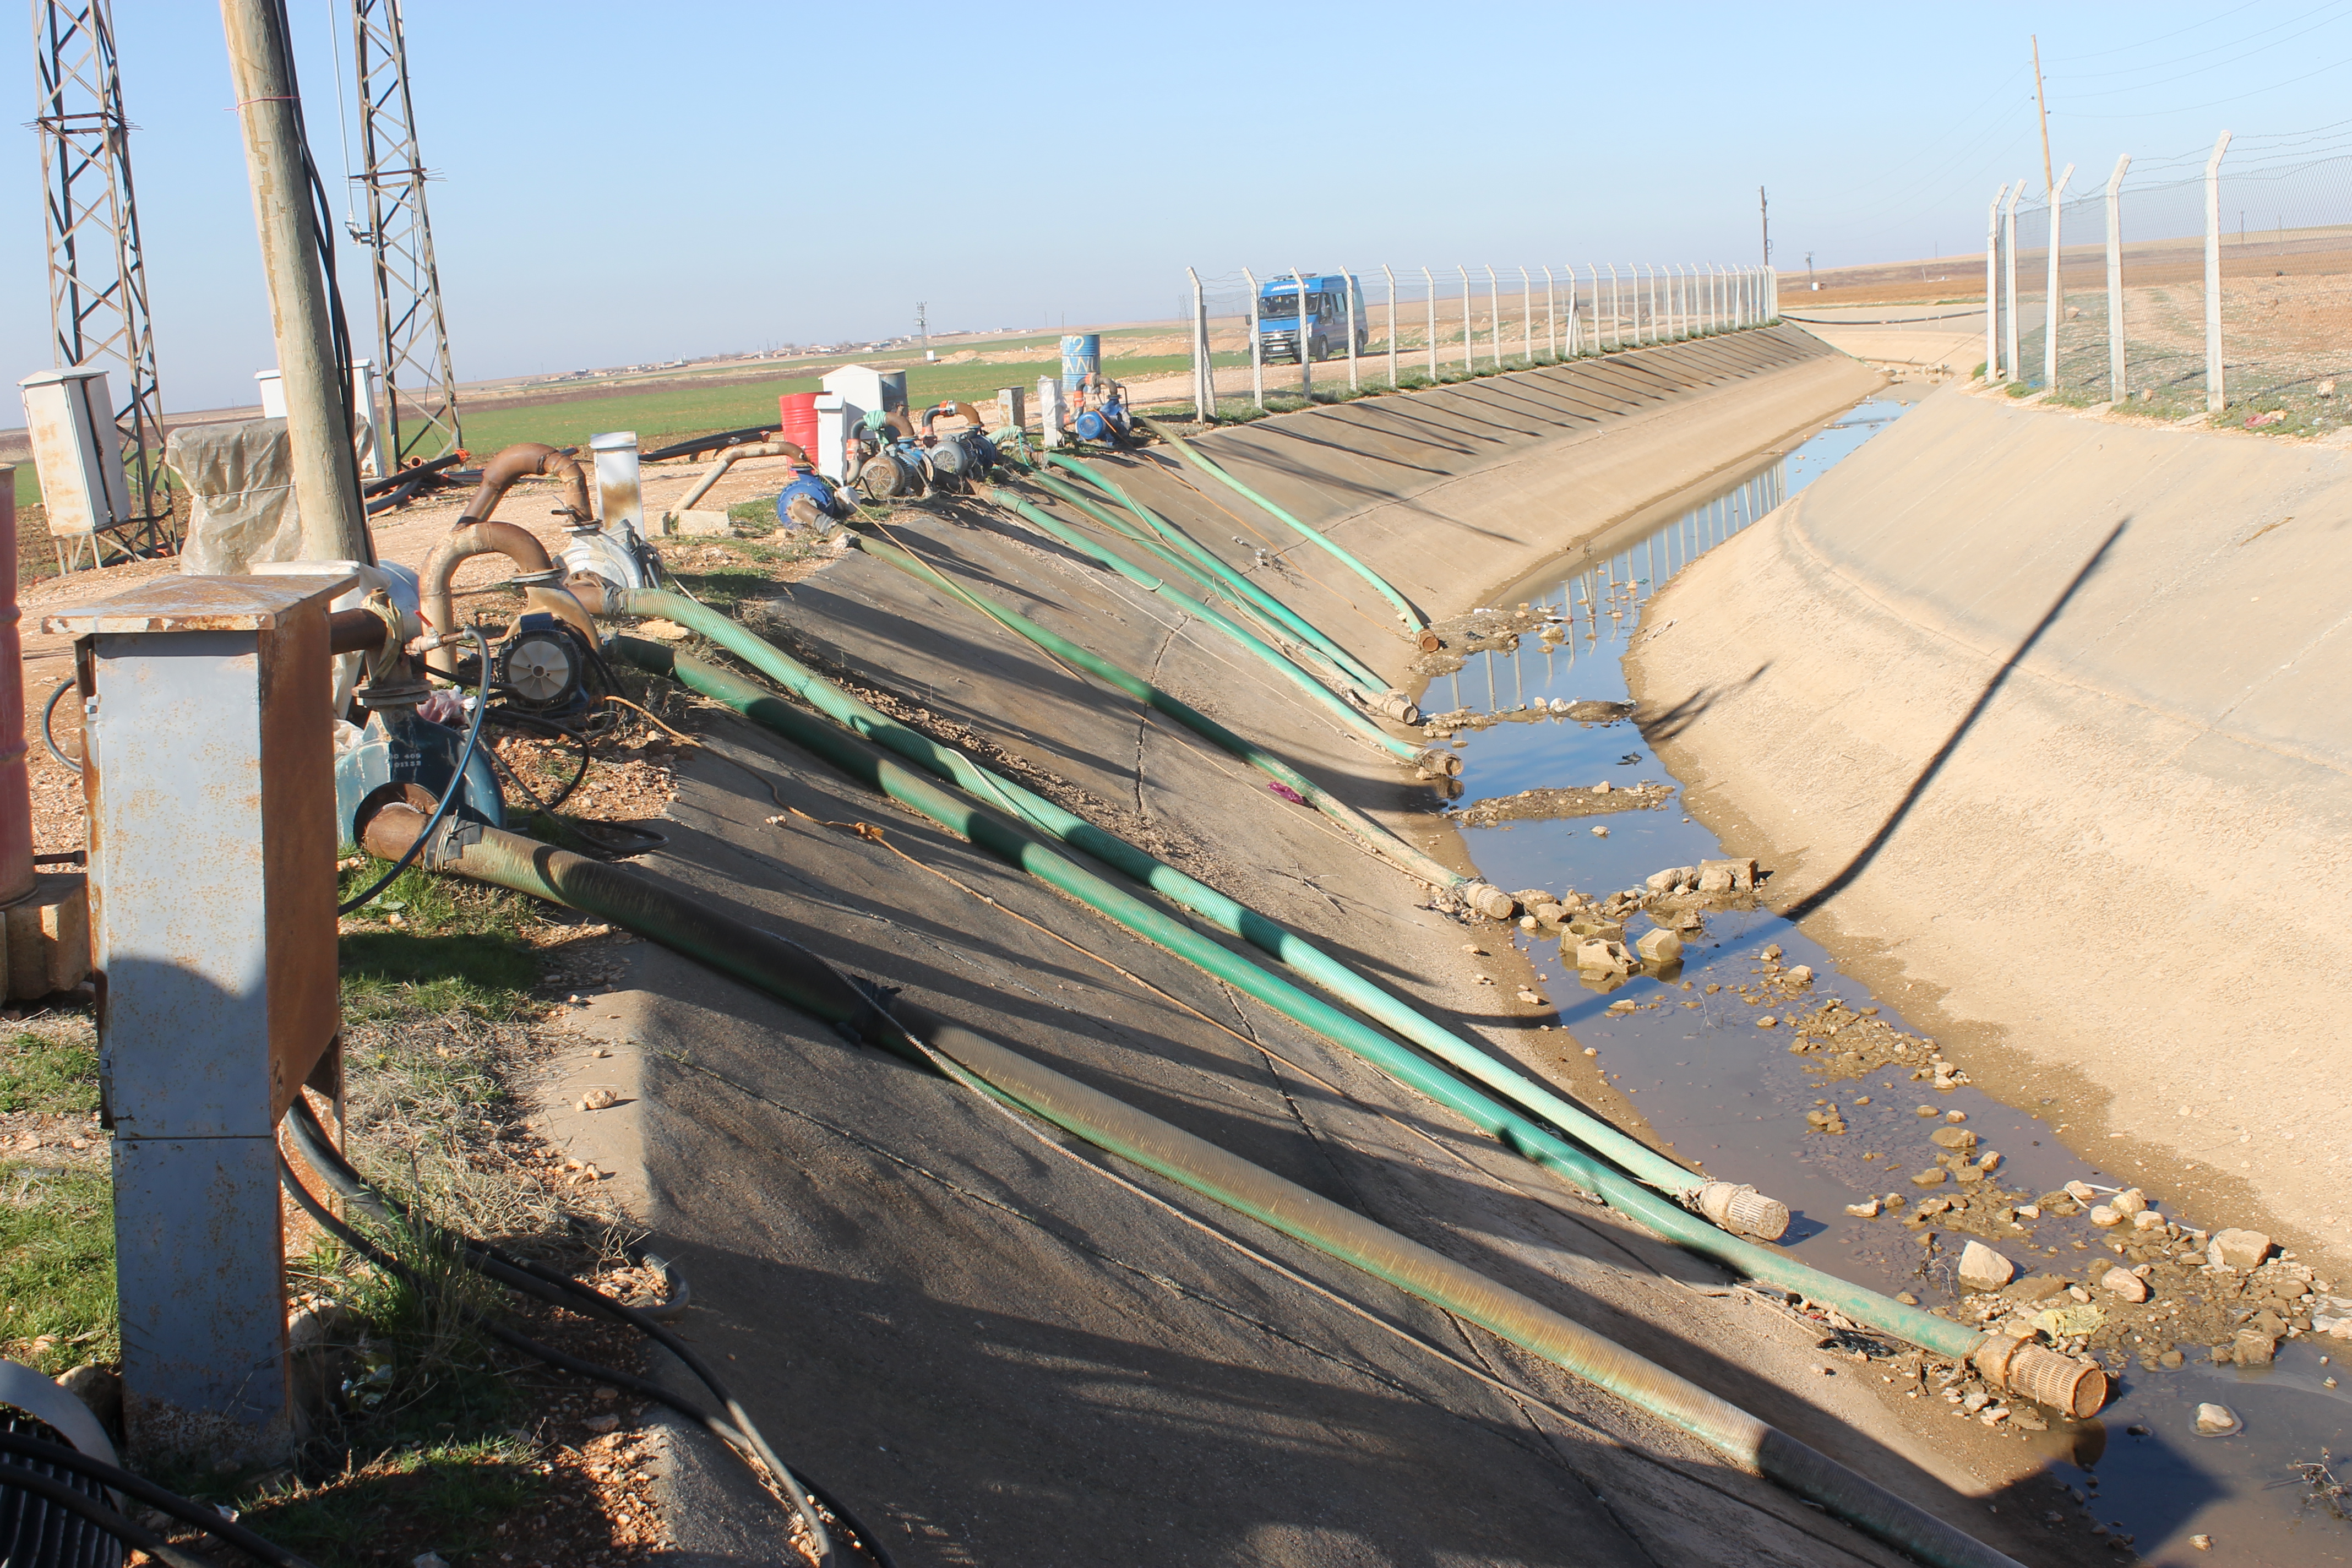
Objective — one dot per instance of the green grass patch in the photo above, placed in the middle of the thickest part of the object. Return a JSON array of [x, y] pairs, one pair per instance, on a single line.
[[458, 947], [453, 1493], [48, 1078], [57, 1268]]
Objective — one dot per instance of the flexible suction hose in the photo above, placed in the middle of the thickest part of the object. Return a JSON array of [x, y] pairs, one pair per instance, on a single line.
[[1352, 718], [1482, 897], [2077, 1387], [1306, 653], [1185, 891], [1413, 624], [1234, 581], [785, 969]]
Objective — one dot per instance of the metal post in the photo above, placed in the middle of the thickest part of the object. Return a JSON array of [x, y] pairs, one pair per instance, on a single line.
[[318, 430], [1204, 397], [1527, 318], [2054, 297], [1712, 325], [2116, 391], [2008, 278], [1616, 312], [1353, 384], [1551, 315], [1469, 333], [1430, 284], [1992, 286], [1654, 303], [1390, 274], [1306, 348], [1257, 343], [420, 382], [2214, 389], [1494, 315]]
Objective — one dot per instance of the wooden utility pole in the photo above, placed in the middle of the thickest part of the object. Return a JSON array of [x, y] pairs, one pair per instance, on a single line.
[[1764, 211], [2042, 101], [326, 472]]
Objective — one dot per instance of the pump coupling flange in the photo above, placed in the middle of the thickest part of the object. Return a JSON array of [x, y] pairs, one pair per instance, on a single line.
[[1742, 1210], [1436, 762]]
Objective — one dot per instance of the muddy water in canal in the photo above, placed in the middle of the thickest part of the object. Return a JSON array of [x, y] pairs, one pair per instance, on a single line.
[[1690, 1044]]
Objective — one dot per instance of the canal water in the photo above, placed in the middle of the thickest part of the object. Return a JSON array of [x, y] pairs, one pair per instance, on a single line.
[[1730, 1095]]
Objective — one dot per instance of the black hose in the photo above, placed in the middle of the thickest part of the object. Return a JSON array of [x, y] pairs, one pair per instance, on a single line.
[[48, 715], [186, 1510], [552, 731], [537, 1280], [717, 443], [87, 1507], [410, 475], [448, 796]]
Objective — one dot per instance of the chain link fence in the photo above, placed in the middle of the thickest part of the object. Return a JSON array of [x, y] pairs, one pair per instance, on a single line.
[[2180, 290], [1383, 326]]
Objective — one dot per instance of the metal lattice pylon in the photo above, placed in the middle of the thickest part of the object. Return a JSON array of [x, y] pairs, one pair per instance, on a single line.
[[420, 389], [97, 282]]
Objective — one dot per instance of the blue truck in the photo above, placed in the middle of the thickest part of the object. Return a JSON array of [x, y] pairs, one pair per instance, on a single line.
[[1327, 316]]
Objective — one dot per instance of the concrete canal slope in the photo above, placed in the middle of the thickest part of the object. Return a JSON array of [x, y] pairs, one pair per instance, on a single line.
[[2046, 716], [997, 1355]]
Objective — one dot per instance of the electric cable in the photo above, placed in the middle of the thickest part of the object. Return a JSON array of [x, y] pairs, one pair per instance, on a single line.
[[187, 1510], [448, 796], [560, 1289], [48, 718], [82, 1504]]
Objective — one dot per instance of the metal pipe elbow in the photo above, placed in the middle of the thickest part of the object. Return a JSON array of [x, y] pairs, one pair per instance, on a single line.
[[462, 544], [526, 459]]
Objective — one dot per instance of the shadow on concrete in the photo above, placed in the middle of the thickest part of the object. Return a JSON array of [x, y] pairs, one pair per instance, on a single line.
[[1837, 884]]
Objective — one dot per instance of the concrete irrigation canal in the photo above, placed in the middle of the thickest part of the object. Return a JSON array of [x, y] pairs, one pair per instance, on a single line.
[[1690, 956]]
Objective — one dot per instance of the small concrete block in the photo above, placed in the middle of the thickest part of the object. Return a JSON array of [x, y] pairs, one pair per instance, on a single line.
[[1659, 946], [49, 936], [701, 523]]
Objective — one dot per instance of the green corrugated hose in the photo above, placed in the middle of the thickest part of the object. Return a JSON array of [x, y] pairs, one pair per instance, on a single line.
[[1482, 897], [1413, 624], [1013, 843], [1356, 721], [785, 969], [1236, 580]]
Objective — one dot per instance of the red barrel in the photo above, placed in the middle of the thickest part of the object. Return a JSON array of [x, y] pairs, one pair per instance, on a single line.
[[797, 412]]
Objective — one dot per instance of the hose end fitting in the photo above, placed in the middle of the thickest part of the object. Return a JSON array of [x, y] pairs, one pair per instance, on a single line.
[[1741, 1209], [1435, 763], [1486, 899], [2074, 1388], [1394, 704]]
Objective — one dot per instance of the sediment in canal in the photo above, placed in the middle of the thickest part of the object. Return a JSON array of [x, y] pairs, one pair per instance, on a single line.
[[2040, 719]]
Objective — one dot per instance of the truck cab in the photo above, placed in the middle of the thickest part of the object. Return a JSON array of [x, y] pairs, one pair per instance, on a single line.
[[1327, 318]]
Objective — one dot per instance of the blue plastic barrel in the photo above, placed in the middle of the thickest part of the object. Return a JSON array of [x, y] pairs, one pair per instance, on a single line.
[[1081, 357]]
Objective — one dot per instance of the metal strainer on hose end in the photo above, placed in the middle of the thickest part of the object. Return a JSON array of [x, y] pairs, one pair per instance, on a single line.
[[1742, 1210], [2074, 1388]]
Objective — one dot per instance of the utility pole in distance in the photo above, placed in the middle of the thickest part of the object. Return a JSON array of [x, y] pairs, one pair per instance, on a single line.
[[1764, 210], [318, 424], [923, 324]]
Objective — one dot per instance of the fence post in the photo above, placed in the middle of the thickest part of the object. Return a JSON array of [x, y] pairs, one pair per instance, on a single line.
[[2054, 297], [1714, 325], [2008, 278], [1616, 315], [1388, 273], [1257, 344], [1204, 397], [1993, 286], [1353, 385], [1306, 347], [1469, 332], [1527, 319], [2116, 391], [1494, 315], [1430, 283], [1551, 314], [2214, 400]]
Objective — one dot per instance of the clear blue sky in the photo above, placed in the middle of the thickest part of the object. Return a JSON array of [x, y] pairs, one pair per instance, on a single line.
[[627, 182]]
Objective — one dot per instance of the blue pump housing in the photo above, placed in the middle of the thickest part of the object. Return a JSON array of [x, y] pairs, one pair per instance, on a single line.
[[399, 747]]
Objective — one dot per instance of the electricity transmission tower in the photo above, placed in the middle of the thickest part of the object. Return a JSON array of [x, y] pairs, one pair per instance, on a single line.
[[98, 281], [420, 389]]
